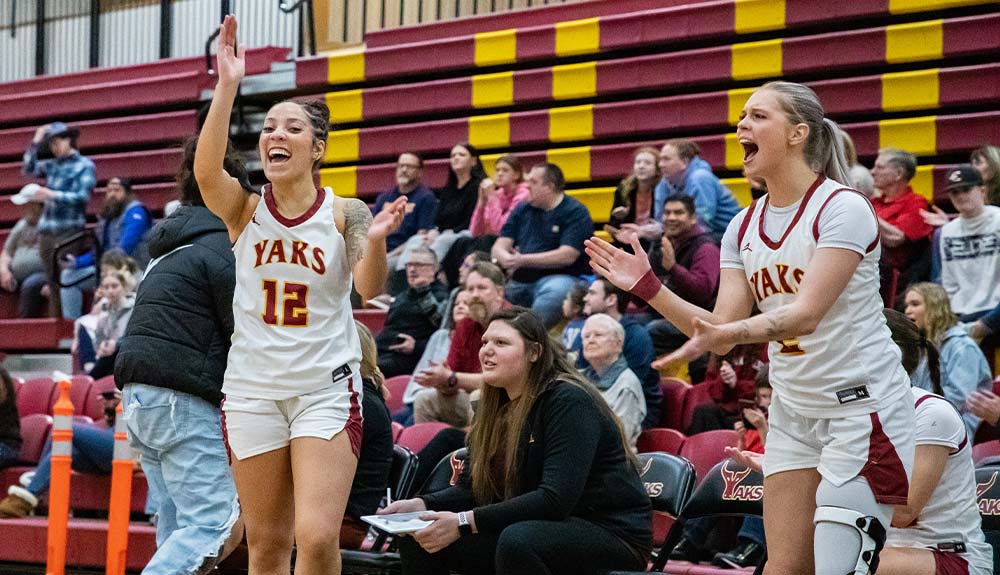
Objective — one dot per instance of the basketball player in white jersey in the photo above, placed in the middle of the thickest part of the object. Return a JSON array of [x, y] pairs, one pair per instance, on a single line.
[[293, 393], [841, 443]]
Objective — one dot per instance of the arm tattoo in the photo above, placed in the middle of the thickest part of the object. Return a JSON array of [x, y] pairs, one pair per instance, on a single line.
[[776, 324], [357, 220], [743, 331]]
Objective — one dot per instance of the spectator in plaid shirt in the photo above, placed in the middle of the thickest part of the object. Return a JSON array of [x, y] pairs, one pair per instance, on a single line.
[[69, 179]]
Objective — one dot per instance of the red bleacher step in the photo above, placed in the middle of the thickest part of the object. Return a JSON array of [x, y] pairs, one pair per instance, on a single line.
[[24, 540]]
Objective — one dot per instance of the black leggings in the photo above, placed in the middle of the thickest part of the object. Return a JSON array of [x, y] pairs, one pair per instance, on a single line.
[[572, 547]]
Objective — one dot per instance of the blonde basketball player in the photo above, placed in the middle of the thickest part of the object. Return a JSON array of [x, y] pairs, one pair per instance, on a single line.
[[293, 404], [840, 449]]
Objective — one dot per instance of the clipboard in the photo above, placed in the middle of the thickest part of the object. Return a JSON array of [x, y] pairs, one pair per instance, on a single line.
[[397, 523]]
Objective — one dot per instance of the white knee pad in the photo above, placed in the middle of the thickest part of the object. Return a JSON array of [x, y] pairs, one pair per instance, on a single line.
[[869, 528]]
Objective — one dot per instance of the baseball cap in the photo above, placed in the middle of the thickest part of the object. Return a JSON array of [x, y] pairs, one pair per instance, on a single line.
[[25, 195], [963, 176]]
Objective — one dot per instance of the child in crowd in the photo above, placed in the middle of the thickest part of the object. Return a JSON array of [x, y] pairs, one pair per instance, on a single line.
[[730, 379], [572, 309]]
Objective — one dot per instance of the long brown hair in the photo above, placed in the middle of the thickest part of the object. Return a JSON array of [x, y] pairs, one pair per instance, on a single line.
[[914, 346], [369, 356], [6, 384], [990, 155], [499, 422], [939, 316], [629, 187]]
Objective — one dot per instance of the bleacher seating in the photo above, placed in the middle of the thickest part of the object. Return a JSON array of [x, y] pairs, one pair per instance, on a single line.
[[582, 85]]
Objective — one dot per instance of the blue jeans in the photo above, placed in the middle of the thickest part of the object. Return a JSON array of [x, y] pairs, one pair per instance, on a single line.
[[544, 296], [32, 303], [72, 297], [179, 437], [93, 451]]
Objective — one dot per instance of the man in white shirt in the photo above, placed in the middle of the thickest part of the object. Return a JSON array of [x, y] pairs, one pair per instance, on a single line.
[[970, 247]]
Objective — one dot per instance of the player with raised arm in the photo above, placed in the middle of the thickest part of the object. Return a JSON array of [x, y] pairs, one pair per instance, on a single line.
[[840, 447], [293, 405]]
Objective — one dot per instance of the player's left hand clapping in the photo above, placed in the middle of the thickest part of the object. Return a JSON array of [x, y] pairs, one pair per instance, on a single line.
[[706, 337], [388, 220], [440, 534]]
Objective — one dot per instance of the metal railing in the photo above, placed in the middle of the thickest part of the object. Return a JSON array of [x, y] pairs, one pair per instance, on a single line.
[[39, 37]]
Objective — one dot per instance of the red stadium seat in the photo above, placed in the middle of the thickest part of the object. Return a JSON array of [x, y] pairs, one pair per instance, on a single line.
[[79, 393], [672, 409], [418, 435], [94, 405], [35, 430], [987, 449], [397, 429], [660, 439], [706, 449], [395, 387], [36, 396], [695, 396]]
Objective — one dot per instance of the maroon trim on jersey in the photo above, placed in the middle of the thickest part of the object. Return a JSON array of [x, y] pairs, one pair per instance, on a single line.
[[965, 440], [354, 424], [949, 563], [292, 222], [872, 245], [884, 470], [798, 215], [745, 224], [225, 431]]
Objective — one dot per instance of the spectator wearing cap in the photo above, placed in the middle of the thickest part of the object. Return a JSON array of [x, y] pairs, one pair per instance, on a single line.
[[541, 245], [69, 179], [21, 265], [685, 172], [123, 224], [970, 247], [905, 257]]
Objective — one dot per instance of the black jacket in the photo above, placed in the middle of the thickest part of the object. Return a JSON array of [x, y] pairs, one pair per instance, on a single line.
[[180, 331], [573, 465], [375, 459], [415, 312]]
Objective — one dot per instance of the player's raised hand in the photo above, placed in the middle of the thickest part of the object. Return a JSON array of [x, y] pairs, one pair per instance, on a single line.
[[618, 266], [230, 59], [388, 220], [749, 459]]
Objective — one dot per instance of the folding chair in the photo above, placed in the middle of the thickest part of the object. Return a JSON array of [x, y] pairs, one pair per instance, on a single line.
[[669, 481], [988, 496]]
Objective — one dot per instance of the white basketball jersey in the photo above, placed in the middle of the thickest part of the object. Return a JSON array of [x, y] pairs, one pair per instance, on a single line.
[[849, 365], [294, 329], [950, 518]]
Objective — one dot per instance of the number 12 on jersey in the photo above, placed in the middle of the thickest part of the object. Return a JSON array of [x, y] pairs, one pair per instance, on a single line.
[[294, 310]]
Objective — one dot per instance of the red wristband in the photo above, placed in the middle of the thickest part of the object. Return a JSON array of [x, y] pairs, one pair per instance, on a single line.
[[647, 287]]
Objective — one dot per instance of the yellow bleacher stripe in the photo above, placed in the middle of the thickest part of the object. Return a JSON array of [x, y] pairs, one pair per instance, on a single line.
[[903, 6], [737, 99], [756, 59], [740, 188], [598, 201], [344, 181], [574, 80], [759, 15], [345, 106], [915, 135], [342, 146], [499, 47], [575, 162], [347, 66], [734, 153], [490, 90], [917, 90], [492, 131], [914, 41], [571, 123], [578, 37], [489, 162], [923, 182]]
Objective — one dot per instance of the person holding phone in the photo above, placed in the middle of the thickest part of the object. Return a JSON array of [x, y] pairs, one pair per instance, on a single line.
[[730, 382]]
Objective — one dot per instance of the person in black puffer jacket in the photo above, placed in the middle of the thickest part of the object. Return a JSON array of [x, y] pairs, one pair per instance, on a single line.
[[170, 367]]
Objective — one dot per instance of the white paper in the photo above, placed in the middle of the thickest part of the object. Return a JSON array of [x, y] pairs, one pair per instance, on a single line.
[[398, 522]]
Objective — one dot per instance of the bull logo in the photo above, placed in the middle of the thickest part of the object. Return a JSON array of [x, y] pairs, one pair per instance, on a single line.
[[733, 490], [457, 466], [988, 506], [653, 488], [646, 467]]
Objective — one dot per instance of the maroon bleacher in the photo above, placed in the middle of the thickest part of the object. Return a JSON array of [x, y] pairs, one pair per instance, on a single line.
[[25, 541]]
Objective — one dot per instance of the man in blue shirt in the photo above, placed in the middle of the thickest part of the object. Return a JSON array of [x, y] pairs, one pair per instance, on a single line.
[[421, 205], [122, 225], [69, 179], [541, 245], [685, 172]]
